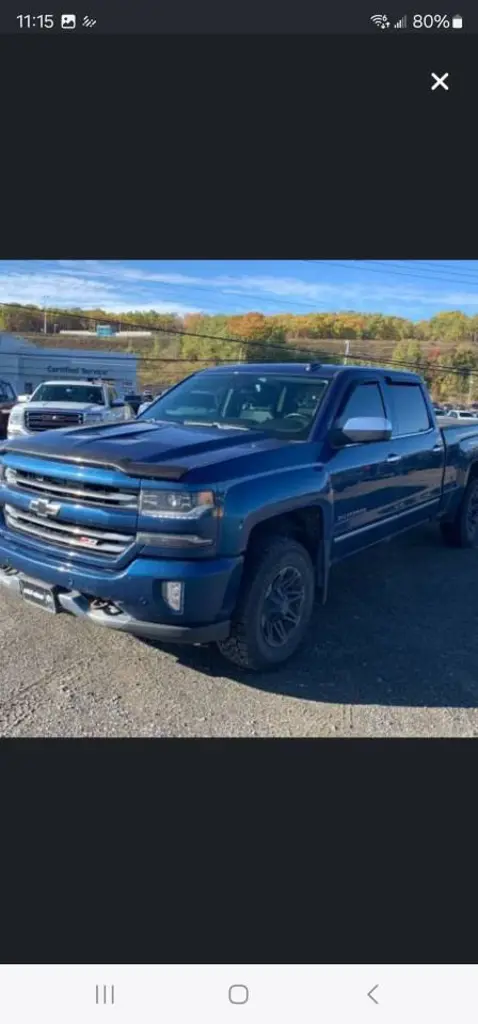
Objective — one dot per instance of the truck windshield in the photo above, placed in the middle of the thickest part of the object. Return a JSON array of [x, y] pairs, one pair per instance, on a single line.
[[68, 393], [280, 405]]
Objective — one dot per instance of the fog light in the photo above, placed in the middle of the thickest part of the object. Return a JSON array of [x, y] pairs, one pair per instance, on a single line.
[[173, 594]]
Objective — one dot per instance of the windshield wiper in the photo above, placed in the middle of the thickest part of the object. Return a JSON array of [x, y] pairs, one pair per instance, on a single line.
[[213, 423]]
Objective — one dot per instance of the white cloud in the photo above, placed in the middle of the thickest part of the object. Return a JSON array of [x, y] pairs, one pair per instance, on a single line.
[[335, 296], [65, 291], [157, 305], [119, 288]]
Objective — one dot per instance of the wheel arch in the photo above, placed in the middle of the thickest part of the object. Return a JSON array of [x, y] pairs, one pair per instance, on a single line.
[[472, 472], [309, 524]]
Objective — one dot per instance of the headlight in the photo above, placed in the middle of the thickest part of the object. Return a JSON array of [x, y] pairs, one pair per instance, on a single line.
[[16, 415], [92, 417], [176, 504]]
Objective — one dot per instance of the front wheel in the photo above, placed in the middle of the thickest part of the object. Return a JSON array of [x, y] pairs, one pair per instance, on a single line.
[[462, 532], [274, 607]]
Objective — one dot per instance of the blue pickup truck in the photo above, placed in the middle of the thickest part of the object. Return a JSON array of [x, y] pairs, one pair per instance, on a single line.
[[217, 514]]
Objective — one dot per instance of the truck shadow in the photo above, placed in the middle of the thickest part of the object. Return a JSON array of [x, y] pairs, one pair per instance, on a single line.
[[399, 629]]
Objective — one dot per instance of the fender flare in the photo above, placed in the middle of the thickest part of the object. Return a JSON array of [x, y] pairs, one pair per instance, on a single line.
[[324, 503]]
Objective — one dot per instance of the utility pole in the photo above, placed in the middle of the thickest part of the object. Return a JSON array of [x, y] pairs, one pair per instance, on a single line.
[[347, 352], [44, 316]]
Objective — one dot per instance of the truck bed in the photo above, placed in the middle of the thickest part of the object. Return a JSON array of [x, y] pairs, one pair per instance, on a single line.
[[454, 431], [450, 421]]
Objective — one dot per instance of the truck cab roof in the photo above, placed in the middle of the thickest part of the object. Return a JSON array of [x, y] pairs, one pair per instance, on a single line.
[[323, 370]]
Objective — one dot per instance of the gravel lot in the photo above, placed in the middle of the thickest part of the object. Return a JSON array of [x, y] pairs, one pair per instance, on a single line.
[[393, 653]]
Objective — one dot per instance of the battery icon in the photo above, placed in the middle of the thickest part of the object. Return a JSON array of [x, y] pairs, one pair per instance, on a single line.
[[457, 21]]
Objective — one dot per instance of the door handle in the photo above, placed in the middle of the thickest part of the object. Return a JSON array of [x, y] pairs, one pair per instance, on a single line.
[[394, 458], [437, 448]]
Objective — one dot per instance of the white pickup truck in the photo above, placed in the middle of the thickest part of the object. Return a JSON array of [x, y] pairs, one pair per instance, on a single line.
[[67, 403]]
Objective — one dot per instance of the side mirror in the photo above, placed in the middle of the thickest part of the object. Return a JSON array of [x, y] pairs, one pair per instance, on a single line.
[[362, 430], [117, 404], [23, 398]]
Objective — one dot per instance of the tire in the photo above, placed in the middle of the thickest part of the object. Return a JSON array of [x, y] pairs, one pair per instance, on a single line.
[[462, 532], [281, 567]]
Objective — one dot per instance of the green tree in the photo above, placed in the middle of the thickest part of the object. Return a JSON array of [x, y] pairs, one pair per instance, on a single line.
[[451, 326], [410, 353]]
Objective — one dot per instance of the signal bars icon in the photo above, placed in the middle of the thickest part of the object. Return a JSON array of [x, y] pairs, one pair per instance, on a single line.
[[402, 23]]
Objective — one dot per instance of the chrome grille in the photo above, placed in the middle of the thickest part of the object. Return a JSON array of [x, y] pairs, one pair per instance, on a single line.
[[80, 538], [73, 491], [44, 419]]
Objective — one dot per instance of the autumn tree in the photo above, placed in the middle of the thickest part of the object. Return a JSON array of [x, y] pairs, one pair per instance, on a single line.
[[451, 326], [260, 338]]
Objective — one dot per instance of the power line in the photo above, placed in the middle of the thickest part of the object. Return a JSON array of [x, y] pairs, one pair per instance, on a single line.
[[150, 327], [285, 350], [388, 264], [431, 265], [439, 275], [243, 342], [444, 269], [353, 265], [397, 268]]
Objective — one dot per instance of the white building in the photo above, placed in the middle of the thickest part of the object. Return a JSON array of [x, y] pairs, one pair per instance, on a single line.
[[114, 334], [26, 365]]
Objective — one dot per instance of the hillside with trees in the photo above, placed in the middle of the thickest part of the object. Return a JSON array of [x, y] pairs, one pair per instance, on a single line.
[[444, 349]]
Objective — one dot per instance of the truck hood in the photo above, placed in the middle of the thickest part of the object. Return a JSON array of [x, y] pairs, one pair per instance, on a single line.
[[158, 450], [62, 406]]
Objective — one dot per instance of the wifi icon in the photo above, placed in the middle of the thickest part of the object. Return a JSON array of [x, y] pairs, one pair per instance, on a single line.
[[380, 20]]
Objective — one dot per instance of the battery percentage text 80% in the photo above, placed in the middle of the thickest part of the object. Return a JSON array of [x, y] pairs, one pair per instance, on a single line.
[[431, 21]]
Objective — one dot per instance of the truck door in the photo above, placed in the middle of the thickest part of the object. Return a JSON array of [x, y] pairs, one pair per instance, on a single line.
[[417, 445], [362, 476]]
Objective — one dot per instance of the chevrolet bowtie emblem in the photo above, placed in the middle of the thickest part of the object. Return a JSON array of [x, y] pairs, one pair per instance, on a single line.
[[43, 507]]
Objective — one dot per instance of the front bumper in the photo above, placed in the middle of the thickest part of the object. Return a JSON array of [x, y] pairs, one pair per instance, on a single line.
[[135, 592], [77, 604]]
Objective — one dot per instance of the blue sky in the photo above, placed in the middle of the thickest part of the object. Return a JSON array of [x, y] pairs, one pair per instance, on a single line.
[[416, 289]]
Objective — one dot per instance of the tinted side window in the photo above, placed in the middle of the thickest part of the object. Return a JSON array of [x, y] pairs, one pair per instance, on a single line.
[[365, 400], [410, 413]]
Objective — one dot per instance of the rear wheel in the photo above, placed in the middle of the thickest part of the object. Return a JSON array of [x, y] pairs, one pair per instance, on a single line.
[[462, 532], [274, 607]]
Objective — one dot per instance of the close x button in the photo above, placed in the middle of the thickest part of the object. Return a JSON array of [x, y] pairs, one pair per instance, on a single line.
[[440, 81]]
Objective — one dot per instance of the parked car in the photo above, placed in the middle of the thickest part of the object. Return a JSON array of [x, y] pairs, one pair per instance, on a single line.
[[462, 414], [134, 401], [67, 403], [221, 521], [8, 399], [148, 399]]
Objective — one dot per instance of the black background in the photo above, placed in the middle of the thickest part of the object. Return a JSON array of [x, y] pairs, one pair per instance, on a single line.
[[229, 147], [235, 146]]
